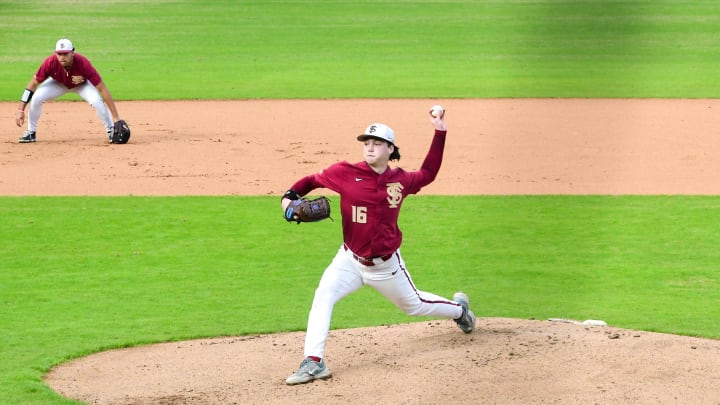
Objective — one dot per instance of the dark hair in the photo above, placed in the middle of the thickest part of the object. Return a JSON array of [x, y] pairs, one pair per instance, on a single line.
[[395, 155]]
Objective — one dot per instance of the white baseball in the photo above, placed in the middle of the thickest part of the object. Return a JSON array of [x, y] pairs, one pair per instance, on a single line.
[[437, 111]]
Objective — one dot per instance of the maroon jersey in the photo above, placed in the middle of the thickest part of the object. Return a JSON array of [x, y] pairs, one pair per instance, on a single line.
[[81, 67], [370, 202]]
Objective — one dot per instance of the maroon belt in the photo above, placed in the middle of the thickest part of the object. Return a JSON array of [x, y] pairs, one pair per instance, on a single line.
[[367, 261]]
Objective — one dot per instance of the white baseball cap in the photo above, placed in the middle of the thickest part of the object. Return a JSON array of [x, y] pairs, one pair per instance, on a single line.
[[64, 46], [379, 131]]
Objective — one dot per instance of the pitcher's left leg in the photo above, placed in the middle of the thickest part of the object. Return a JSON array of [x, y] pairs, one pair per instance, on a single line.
[[338, 280]]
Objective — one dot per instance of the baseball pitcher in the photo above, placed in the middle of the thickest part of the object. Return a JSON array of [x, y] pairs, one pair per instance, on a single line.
[[371, 195]]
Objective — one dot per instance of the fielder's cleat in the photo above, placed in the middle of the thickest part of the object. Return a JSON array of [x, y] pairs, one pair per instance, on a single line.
[[28, 136], [309, 370], [110, 134], [467, 321]]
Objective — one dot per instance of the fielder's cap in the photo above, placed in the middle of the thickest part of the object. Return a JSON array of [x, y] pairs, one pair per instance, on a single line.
[[379, 131], [64, 46]]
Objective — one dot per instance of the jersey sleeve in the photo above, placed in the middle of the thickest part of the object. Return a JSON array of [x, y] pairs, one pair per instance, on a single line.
[[330, 178], [430, 166], [45, 69], [88, 71]]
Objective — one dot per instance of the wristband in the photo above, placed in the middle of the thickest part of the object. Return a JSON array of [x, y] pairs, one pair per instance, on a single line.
[[26, 96], [291, 194]]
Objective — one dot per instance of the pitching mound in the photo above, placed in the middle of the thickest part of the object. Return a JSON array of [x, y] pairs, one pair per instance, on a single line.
[[503, 361]]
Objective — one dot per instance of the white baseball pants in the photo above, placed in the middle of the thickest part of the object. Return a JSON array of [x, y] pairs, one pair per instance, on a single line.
[[346, 275], [51, 89]]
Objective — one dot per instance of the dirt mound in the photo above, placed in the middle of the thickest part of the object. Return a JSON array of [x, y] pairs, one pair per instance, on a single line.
[[503, 361]]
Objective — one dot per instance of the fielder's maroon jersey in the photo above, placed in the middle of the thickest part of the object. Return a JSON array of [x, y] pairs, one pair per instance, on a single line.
[[370, 202], [81, 67]]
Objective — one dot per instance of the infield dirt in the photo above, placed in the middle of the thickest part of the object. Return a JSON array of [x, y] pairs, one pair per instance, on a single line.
[[508, 146]]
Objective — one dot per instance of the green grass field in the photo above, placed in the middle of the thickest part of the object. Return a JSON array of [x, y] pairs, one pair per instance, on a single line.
[[350, 49], [81, 274]]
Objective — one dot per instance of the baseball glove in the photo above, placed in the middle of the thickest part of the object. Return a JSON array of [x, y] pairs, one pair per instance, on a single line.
[[121, 132], [306, 210]]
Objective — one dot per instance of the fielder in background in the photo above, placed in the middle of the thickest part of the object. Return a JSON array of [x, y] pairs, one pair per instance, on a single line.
[[371, 194], [59, 73]]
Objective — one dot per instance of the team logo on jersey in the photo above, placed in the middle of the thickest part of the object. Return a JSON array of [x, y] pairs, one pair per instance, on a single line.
[[394, 191]]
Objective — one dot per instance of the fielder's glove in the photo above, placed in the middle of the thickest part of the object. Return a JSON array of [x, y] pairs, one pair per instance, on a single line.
[[306, 210], [121, 132]]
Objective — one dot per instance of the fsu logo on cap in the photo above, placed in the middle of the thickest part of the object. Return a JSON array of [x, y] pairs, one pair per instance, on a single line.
[[64, 46]]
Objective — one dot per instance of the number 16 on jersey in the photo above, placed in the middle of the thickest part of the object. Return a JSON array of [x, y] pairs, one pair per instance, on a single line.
[[359, 214]]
